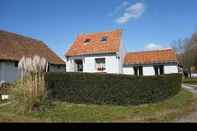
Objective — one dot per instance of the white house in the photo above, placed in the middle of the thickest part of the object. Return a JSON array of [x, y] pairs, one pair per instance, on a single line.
[[13, 47], [97, 52], [104, 52]]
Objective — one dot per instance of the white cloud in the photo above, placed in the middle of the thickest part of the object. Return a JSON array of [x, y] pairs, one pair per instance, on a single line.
[[153, 46], [123, 19], [122, 6], [134, 11]]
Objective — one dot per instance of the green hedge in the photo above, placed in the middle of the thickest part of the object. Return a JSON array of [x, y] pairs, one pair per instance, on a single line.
[[110, 88]]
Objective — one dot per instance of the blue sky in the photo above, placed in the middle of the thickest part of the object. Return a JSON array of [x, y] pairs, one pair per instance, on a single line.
[[147, 24]]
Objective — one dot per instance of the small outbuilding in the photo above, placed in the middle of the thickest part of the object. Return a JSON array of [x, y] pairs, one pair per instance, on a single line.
[[13, 47]]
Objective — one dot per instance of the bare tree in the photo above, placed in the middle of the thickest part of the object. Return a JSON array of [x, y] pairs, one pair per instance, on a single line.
[[194, 48], [186, 50]]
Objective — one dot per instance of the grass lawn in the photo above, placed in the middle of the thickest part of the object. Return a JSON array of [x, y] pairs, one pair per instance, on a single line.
[[67, 112], [190, 81]]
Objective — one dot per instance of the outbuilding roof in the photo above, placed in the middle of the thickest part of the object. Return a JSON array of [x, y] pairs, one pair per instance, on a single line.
[[13, 47], [150, 57]]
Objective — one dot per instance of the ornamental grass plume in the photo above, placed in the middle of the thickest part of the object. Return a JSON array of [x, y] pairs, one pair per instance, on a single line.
[[32, 70]]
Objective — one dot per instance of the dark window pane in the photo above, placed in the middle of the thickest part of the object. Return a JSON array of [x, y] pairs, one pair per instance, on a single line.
[[87, 40], [156, 70], [140, 71], [135, 71], [104, 39], [161, 68]]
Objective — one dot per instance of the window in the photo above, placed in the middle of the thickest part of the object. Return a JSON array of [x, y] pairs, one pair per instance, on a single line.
[[100, 64], [138, 70], [87, 41], [135, 71], [67, 58], [156, 70], [159, 69], [104, 39], [118, 57], [58, 66]]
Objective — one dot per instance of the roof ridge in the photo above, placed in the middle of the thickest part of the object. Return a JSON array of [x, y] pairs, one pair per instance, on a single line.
[[94, 33], [21, 35], [159, 50]]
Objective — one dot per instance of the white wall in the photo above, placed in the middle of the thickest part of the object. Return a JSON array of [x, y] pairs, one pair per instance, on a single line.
[[148, 71], [111, 64], [169, 69], [121, 54], [70, 65], [89, 64], [128, 70]]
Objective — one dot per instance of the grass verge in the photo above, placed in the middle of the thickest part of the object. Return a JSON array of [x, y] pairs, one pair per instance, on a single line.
[[190, 81], [164, 111]]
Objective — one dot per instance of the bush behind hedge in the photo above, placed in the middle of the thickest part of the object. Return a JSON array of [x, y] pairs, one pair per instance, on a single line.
[[111, 88]]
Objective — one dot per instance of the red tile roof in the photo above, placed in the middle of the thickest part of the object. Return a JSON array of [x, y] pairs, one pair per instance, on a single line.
[[95, 46], [14, 46], [150, 57]]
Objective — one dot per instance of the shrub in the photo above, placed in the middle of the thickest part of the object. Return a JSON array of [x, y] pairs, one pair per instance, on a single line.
[[29, 91], [23, 95], [4, 88], [110, 88]]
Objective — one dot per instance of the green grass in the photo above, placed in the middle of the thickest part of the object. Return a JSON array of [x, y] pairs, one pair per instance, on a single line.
[[190, 81], [67, 112]]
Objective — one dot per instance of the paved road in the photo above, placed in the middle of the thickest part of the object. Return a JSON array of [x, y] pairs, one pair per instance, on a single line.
[[192, 117]]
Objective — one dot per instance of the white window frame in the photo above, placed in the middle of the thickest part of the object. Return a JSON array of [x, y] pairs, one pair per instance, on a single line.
[[101, 65]]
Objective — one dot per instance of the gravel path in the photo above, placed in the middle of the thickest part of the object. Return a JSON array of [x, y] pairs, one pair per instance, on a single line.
[[192, 117]]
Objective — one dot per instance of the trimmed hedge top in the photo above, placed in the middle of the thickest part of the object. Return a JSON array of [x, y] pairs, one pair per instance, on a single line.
[[111, 88]]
